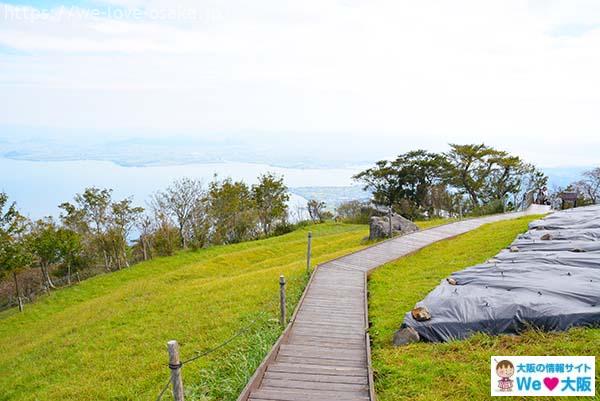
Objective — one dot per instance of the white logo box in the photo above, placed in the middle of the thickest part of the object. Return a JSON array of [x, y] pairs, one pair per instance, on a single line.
[[543, 376]]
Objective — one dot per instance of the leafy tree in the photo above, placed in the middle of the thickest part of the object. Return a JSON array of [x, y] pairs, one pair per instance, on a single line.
[[165, 238], [44, 243], [405, 182], [91, 216], [70, 249], [231, 211], [485, 174], [145, 226], [123, 217], [316, 210], [14, 254], [270, 198], [103, 224]]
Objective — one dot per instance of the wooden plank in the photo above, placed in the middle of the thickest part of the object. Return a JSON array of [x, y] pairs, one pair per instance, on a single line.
[[320, 370], [311, 377], [307, 395], [315, 385]]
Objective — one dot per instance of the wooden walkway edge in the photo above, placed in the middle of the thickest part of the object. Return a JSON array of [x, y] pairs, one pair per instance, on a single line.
[[324, 353]]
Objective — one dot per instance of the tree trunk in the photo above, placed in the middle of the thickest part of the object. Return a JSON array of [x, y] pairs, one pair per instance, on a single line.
[[106, 260], [19, 299], [144, 247], [125, 258], [69, 273], [183, 243], [46, 275]]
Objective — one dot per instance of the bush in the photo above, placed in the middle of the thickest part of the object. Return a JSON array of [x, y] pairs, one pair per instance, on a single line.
[[287, 227], [355, 212]]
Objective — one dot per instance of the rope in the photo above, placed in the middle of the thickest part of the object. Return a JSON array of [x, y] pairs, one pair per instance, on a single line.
[[163, 390], [273, 302]]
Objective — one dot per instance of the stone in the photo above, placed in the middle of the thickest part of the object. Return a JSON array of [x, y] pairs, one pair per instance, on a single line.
[[514, 249], [451, 281], [546, 237], [577, 250], [379, 227], [420, 314], [405, 336]]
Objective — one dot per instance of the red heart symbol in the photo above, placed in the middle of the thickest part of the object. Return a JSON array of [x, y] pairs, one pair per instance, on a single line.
[[551, 382]]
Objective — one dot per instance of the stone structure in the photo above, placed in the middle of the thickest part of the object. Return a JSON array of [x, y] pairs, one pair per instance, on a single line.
[[379, 227]]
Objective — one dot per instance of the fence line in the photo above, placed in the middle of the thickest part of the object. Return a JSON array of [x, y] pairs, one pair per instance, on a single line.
[[280, 300]]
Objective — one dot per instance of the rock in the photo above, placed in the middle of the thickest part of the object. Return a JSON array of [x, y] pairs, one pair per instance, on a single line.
[[379, 227], [577, 250], [406, 336], [420, 314], [451, 281], [514, 249], [546, 237]]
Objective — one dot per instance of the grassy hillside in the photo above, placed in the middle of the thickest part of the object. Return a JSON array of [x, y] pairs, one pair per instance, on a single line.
[[105, 339], [457, 370]]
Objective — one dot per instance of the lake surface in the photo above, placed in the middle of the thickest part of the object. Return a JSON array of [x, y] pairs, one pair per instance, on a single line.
[[39, 187]]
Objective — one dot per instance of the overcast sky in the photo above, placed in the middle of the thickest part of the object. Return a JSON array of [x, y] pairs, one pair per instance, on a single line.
[[523, 76]]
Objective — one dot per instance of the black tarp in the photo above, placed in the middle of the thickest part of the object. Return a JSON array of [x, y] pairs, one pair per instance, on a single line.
[[552, 283]]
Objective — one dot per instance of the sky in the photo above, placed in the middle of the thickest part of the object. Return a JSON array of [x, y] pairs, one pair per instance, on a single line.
[[344, 76]]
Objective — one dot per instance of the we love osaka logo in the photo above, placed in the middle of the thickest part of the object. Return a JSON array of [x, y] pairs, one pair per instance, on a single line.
[[543, 376]]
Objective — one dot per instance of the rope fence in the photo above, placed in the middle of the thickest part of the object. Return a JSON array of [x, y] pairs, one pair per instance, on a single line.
[[175, 364]]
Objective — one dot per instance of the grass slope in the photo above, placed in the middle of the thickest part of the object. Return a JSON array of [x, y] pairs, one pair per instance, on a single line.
[[105, 339], [457, 370]]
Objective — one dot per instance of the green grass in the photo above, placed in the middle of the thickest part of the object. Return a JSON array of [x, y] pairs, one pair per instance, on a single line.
[[105, 339], [457, 370]]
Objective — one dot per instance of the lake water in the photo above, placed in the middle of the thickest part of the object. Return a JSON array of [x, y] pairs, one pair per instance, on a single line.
[[39, 187]]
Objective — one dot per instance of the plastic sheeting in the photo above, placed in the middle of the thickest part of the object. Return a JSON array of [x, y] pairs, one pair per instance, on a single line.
[[552, 283]]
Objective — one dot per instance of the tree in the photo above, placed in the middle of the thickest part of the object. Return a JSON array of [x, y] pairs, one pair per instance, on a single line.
[[589, 186], [180, 201], [44, 244], [484, 173], [123, 217], [232, 212], [406, 182], [316, 210], [103, 224], [145, 225], [70, 249], [91, 216], [14, 254], [270, 198]]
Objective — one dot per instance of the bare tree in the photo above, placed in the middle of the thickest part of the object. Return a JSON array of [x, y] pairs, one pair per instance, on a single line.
[[589, 186], [179, 201]]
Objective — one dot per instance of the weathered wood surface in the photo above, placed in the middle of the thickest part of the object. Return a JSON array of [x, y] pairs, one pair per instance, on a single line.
[[325, 353]]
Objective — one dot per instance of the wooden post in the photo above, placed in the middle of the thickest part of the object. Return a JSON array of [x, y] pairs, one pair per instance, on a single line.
[[282, 317], [308, 252], [175, 366]]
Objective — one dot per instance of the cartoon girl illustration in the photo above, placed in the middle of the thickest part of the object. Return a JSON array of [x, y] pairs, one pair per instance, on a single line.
[[505, 369]]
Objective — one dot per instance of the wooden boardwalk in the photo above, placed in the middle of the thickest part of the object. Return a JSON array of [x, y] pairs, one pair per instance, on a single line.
[[324, 354]]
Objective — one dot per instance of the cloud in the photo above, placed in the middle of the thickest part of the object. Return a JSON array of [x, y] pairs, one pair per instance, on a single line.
[[400, 73]]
